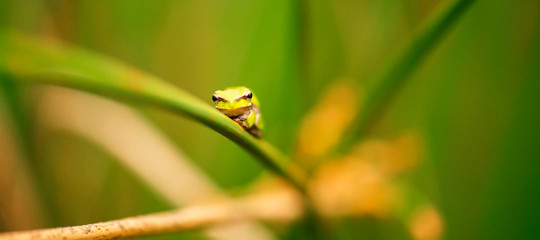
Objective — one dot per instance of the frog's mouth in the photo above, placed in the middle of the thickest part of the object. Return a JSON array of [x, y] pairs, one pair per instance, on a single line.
[[233, 112]]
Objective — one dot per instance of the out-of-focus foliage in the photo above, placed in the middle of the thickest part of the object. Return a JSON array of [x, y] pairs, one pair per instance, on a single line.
[[474, 103]]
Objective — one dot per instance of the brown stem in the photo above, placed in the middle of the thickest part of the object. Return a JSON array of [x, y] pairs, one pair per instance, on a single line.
[[263, 205]]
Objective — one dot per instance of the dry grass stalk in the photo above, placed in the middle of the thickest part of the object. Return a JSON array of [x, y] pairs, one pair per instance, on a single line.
[[189, 218], [179, 220]]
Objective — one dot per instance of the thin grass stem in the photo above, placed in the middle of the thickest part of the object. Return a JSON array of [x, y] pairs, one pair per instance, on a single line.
[[32, 60], [395, 75]]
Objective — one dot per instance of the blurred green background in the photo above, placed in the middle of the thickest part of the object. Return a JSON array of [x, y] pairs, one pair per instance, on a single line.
[[475, 100]]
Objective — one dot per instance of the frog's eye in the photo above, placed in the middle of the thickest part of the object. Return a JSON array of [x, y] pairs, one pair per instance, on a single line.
[[247, 96], [214, 98]]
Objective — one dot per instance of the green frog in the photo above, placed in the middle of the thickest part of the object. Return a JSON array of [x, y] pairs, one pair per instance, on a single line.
[[242, 106]]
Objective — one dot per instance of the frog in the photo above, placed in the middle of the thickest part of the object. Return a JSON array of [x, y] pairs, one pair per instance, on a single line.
[[242, 106]]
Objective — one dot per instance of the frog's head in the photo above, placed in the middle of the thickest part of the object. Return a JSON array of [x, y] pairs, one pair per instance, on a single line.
[[233, 101]]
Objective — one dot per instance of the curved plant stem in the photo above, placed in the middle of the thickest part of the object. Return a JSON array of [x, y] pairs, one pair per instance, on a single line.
[[11, 95], [157, 223], [38, 61], [253, 206], [389, 81]]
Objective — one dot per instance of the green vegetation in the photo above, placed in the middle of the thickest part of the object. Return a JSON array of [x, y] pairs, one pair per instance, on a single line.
[[461, 76]]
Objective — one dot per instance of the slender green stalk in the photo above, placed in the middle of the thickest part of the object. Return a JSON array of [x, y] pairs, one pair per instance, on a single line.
[[392, 78], [37, 61], [10, 94]]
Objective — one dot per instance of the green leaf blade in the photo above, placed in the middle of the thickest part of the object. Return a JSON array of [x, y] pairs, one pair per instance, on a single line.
[[32, 61]]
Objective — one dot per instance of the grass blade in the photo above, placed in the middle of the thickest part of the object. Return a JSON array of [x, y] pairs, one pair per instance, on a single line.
[[33, 60], [11, 95], [389, 81]]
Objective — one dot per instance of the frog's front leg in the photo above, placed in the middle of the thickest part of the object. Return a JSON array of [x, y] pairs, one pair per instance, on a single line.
[[249, 123], [242, 120], [242, 123]]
